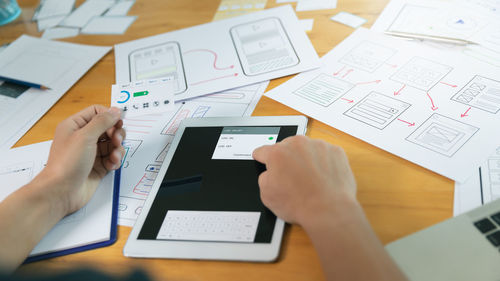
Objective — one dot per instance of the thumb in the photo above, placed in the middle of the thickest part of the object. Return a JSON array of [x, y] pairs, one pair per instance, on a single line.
[[101, 122]]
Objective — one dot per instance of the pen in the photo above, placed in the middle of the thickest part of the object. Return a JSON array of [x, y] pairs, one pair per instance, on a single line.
[[436, 38], [24, 83]]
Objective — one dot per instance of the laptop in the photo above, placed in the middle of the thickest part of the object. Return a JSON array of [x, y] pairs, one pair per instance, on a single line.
[[466, 247]]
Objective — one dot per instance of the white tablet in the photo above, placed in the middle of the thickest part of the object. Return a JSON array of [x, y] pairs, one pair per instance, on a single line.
[[205, 202]]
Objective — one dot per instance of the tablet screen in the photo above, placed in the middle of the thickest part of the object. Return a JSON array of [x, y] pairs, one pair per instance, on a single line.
[[210, 190]]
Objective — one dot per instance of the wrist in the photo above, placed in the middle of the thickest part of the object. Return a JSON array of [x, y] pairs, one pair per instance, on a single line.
[[47, 188]]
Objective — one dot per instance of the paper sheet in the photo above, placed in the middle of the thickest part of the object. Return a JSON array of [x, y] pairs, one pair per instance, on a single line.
[[60, 32], [309, 5], [90, 224], [49, 22], [55, 64], [232, 8], [241, 51], [481, 188], [108, 25], [435, 109], [349, 19], [307, 24], [143, 97], [52, 8], [86, 11], [121, 8], [149, 138]]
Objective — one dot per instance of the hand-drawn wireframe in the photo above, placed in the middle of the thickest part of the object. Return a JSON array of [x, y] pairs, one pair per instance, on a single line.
[[324, 89], [127, 209], [442, 134], [421, 73], [409, 19], [146, 182], [377, 110], [492, 180], [164, 60], [482, 93], [263, 46], [368, 56], [161, 157], [181, 114]]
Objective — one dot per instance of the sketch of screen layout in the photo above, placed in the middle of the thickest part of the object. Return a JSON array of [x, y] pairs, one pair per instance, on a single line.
[[377, 110], [442, 134], [263, 46], [160, 61], [482, 93]]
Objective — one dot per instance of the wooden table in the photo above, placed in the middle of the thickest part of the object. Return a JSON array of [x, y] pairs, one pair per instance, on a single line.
[[398, 197]]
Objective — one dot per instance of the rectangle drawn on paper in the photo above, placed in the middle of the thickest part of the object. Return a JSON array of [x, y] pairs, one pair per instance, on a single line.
[[368, 56], [263, 46], [324, 89], [442, 134], [482, 93], [421, 73], [377, 110]]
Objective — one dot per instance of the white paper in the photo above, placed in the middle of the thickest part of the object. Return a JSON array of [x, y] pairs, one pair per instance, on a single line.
[[55, 64], [307, 24], [405, 98], [349, 19], [309, 5], [90, 224], [143, 97], [149, 138], [49, 22], [481, 188], [52, 8], [86, 11], [108, 25], [60, 32], [241, 51], [121, 8]]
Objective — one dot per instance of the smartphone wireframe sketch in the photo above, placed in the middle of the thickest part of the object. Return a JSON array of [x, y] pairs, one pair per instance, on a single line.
[[159, 61], [263, 46]]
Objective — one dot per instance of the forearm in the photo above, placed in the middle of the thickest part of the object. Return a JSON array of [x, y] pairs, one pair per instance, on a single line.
[[347, 246], [25, 217]]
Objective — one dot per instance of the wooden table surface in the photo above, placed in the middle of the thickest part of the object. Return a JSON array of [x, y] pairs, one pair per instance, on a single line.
[[398, 197]]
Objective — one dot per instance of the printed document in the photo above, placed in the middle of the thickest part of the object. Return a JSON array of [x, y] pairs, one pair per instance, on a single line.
[[241, 51], [437, 109]]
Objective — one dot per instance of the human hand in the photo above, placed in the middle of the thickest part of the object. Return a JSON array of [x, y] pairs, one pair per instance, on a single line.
[[304, 178], [85, 148]]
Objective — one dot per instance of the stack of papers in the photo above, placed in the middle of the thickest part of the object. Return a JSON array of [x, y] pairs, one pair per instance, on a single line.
[[60, 19]]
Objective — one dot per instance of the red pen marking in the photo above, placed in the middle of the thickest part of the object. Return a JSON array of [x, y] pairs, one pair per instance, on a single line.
[[399, 91], [213, 79], [348, 101], [215, 58], [347, 73], [338, 72], [465, 113], [409, 124], [432, 102], [369, 82], [451, 85]]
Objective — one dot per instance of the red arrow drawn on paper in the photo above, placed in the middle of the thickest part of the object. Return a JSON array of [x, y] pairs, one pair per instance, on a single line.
[[391, 65], [338, 72], [432, 102], [399, 91], [347, 73], [214, 54], [369, 82], [451, 85], [348, 101], [409, 124], [465, 113]]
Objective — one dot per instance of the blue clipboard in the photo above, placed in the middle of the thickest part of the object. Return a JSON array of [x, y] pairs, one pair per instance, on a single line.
[[113, 236]]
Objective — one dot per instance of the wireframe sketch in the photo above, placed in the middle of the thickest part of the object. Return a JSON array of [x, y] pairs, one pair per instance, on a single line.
[[181, 114], [377, 110], [324, 89], [163, 61], [442, 134], [421, 73], [492, 177], [263, 46], [161, 157], [368, 56], [480, 92], [143, 187]]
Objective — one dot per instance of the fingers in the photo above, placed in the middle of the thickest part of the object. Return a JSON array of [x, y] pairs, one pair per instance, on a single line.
[[118, 137], [102, 122], [261, 154], [114, 160]]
